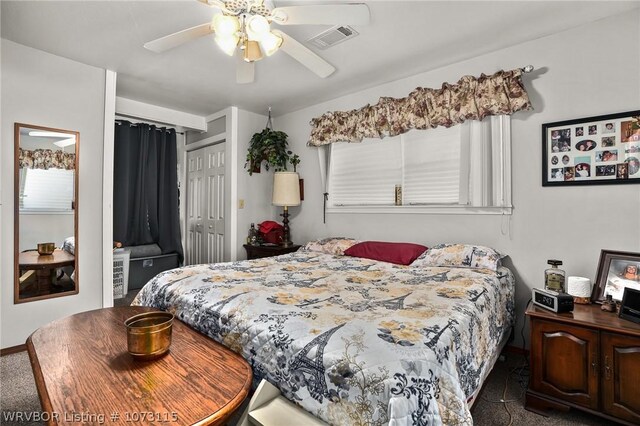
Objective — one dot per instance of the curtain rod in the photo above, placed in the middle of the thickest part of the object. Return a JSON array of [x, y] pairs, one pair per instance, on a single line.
[[119, 122]]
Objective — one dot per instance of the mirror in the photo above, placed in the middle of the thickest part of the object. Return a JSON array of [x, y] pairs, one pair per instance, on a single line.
[[45, 212]]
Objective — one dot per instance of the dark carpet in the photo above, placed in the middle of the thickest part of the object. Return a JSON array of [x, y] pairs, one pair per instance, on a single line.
[[18, 395]]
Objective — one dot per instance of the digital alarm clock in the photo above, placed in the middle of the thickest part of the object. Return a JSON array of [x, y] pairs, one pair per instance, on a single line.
[[552, 300]]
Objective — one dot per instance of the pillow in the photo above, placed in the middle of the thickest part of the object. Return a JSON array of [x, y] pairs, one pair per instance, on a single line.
[[460, 256], [334, 245], [398, 253]]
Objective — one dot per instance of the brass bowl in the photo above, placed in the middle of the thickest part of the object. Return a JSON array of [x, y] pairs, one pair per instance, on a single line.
[[46, 248], [149, 334]]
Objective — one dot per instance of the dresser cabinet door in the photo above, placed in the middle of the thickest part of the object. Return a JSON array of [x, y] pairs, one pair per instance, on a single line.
[[565, 362], [620, 360]]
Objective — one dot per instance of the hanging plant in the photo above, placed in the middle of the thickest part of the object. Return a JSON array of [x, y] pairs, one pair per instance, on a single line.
[[270, 147]]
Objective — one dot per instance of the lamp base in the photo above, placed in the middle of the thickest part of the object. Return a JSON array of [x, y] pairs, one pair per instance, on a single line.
[[286, 237]]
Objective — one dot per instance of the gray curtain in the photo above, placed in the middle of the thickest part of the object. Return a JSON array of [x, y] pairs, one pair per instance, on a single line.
[[145, 187]]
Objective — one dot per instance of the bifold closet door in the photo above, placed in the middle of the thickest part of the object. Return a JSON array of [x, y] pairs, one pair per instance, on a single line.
[[195, 206], [213, 224], [205, 205]]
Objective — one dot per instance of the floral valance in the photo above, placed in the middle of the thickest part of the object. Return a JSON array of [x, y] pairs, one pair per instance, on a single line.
[[46, 159], [471, 98]]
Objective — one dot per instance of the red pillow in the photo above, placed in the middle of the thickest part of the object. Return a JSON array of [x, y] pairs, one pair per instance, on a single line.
[[398, 253]]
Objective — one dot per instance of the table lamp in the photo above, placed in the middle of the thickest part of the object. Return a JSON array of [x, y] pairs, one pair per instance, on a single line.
[[286, 193]]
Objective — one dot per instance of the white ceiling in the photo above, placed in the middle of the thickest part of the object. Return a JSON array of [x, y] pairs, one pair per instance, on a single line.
[[403, 39]]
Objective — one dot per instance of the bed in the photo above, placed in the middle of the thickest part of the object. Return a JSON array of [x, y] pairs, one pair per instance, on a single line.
[[354, 340]]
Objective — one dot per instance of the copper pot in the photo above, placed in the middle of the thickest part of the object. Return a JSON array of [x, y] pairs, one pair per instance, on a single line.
[[149, 334], [46, 248]]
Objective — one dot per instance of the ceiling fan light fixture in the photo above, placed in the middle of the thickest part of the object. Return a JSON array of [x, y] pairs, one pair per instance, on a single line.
[[270, 43], [227, 43], [257, 27], [225, 25], [252, 51]]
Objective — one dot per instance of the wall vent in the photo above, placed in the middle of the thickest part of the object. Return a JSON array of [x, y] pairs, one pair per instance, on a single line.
[[332, 36]]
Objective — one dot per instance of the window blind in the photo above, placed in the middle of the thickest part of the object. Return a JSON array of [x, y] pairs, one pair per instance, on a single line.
[[47, 190], [365, 173], [464, 165], [432, 166]]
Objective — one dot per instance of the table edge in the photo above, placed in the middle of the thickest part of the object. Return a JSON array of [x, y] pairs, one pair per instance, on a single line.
[[43, 395]]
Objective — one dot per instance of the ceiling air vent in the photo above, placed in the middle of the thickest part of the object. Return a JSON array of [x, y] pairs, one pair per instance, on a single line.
[[333, 36]]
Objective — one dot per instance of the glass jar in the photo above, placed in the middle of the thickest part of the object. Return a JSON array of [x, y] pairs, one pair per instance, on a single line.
[[554, 277], [253, 235]]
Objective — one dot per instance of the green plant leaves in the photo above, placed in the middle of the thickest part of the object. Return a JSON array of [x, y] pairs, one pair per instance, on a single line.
[[270, 147]]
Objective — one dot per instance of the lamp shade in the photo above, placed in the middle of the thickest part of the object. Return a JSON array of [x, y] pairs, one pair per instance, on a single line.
[[286, 189]]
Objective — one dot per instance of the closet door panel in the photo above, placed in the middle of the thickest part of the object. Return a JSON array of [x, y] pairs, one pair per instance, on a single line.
[[195, 207], [214, 216]]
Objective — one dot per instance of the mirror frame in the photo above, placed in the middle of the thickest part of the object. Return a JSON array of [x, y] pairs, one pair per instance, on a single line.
[[16, 214]]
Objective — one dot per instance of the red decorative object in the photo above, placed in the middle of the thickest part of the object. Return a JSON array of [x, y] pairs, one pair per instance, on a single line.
[[272, 232], [398, 253]]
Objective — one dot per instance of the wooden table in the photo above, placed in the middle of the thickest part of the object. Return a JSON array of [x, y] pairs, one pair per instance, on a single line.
[[84, 374], [45, 266]]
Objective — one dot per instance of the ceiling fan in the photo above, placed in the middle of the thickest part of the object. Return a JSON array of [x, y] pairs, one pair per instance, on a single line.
[[246, 24]]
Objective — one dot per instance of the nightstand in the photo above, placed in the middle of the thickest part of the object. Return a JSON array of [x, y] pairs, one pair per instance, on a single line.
[[586, 359], [257, 252]]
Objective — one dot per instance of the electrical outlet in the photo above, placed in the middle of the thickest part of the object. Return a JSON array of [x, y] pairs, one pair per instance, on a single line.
[[241, 204]]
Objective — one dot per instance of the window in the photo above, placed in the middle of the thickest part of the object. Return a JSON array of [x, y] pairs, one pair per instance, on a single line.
[[48, 190], [465, 168]]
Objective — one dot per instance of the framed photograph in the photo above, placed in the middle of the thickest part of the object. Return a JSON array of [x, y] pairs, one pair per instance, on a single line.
[[617, 270], [592, 151], [630, 306]]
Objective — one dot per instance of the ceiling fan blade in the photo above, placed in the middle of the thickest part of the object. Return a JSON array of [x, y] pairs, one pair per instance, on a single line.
[[213, 3], [245, 71], [343, 14], [176, 39], [305, 56]]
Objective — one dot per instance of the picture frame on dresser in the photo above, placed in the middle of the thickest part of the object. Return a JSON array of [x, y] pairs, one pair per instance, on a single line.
[[630, 305], [617, 270], [597, 150]]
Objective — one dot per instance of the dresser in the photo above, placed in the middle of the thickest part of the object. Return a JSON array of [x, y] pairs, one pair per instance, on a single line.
[[586, 359]]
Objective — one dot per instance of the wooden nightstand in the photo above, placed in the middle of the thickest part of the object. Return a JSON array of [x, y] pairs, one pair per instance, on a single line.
[[586, 359], [257, 252]]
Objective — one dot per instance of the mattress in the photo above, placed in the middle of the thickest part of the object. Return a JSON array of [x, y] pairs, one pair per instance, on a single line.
[[350, 340]]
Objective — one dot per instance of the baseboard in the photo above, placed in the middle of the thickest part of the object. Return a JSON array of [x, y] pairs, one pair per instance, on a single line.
[[516, 350], [13, 350]]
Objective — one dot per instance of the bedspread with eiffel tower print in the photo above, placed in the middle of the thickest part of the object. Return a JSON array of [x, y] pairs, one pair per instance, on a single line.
[[352, 341]]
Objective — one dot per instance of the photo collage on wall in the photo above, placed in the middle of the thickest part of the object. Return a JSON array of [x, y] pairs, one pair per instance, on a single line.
[[593, 151]]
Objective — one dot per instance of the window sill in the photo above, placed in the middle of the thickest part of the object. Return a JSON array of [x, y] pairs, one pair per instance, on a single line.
[[45, 212], [449, 209]]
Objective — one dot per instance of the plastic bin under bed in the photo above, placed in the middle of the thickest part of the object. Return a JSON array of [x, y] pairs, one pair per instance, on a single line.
[[142, 269]]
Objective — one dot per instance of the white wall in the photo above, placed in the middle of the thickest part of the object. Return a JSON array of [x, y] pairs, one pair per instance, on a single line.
[[589, 70], [40, 228], [256, 189], [43, 89]]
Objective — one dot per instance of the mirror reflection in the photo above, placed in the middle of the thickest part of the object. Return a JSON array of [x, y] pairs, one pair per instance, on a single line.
[[45, 212]]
